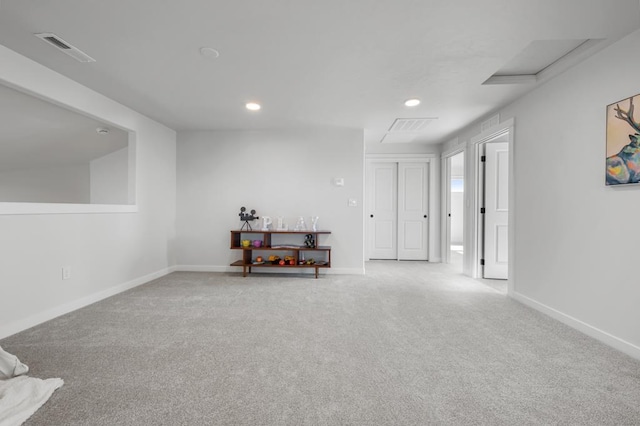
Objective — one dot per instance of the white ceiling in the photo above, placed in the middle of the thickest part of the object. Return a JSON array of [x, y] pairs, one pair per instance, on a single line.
[[308, 62]]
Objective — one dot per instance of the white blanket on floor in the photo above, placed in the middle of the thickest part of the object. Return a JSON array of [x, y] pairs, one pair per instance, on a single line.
[[20, 397]]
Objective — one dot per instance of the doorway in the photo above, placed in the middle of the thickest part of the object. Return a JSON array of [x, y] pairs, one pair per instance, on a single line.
[[493, 220], [397, 210], [455, 200]]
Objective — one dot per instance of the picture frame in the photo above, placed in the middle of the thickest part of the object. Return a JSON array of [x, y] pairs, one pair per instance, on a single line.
[[623, 143]]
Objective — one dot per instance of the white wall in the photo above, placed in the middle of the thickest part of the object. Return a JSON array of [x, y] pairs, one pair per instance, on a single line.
[[277, 173], [576, 241], [68, 184], [106, 252], [110, 178]]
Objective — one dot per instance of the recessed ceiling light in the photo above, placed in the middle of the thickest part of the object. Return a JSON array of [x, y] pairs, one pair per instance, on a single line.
[[209, 52], [412, 102], [253, 106]]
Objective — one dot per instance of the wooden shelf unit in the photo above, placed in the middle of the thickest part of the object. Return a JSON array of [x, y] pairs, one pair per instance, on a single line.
[[268, 246]]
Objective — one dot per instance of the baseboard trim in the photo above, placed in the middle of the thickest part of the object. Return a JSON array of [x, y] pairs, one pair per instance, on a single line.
[[591, 331], [213, 268], [49, 314]]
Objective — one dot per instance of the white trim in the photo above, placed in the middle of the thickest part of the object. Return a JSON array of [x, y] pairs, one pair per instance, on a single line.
[[574, 57], [493, 131], [591, 331], [62, 208], [511, 280], [23, 324], [453, 151]]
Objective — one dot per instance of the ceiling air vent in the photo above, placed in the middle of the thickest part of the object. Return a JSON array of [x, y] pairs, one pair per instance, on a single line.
[[406, 130], [412, 125], [65, 47]]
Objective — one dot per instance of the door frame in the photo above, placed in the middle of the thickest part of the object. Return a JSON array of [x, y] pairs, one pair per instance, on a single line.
[[446, 200], [434, 195], [476, 144]]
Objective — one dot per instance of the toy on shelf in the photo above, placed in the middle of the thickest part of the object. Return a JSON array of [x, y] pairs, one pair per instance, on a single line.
[[246, 218], [309, 242]]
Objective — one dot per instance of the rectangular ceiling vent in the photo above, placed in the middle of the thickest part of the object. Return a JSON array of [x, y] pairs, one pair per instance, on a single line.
[[410, 125], [65, 47], [406, 130]]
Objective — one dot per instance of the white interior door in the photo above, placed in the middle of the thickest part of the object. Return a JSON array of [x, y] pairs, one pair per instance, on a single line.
[[413, 207], [496, 218], [382, 187]]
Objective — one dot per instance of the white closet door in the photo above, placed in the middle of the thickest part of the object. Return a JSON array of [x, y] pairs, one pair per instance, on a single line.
[[413, 207], [496, 218], [382, 183]]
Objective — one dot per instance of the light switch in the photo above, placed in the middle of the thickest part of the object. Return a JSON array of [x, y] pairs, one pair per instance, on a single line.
[[353, 202]]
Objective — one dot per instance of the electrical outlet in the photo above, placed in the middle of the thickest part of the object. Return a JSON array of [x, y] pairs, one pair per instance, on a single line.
[[66, 272]]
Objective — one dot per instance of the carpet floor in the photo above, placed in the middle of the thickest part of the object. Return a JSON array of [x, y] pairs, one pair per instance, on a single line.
[[409, 343]]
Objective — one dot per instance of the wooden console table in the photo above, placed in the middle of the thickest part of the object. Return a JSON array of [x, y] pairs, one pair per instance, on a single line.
[[271, 244]]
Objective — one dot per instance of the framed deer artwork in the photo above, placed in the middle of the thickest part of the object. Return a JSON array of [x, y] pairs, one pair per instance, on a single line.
[[623, 146]]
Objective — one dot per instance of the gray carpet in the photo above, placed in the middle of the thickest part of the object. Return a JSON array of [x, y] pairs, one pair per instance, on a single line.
[[410, 343]]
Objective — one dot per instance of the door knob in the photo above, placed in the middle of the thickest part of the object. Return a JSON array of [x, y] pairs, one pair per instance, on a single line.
[[425, 216], [371, 215]]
